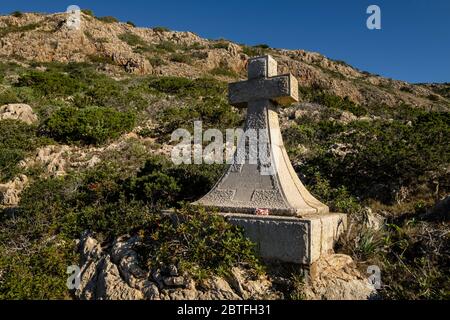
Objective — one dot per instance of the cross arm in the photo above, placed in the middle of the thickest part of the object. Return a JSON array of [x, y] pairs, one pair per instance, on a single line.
[[281, 89]]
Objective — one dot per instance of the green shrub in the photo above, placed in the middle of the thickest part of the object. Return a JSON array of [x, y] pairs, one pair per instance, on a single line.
[[262, 46], [384, 155], [8, 95], [157, 61], [90, 125], [202, 87], [167, 46], [17, 14], [101, 59], [163, 185], [131, 24], [336, 102], [181, 58], [254, 51], [224, 71], [16, 29], [39, 273], [88, 12], [50, 83], [221, 44]]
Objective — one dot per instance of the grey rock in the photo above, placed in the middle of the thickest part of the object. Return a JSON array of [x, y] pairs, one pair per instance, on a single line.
[[175, 281]]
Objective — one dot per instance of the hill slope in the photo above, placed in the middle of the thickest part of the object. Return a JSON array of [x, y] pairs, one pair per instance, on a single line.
[[85, 122]]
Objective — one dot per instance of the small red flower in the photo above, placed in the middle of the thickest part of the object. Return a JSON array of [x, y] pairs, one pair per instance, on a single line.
[[262, 212]]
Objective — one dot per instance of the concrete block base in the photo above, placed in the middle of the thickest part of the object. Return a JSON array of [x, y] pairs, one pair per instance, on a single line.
[[300, 240]]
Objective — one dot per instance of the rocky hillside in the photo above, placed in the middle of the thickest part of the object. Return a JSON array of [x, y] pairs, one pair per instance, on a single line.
[[47, 38], [85, 123]]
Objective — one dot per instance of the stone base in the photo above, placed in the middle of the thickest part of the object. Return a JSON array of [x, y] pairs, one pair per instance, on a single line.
[[300, 240]]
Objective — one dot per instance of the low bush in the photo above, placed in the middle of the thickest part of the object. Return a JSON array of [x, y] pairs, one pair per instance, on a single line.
[[184, 87], [16, 29], [254, 51], [17, 14], [382, 156], [157, 61], [166, 46], [88, 12], [162, 185]]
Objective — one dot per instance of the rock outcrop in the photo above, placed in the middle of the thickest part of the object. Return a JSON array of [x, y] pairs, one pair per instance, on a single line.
[[336, 277], [115, 274]]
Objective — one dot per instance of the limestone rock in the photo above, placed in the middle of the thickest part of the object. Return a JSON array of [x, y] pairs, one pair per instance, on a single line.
[[336, 277], [22, 112], [347, 117], [112, 272], [10, 191]]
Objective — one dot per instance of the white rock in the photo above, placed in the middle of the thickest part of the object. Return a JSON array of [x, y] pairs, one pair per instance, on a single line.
[[11, 190]]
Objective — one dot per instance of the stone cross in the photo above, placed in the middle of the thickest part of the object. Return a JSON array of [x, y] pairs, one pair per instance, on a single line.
[[246, 187]]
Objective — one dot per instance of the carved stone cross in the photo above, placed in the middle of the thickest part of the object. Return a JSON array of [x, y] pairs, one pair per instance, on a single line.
[[246, 187]]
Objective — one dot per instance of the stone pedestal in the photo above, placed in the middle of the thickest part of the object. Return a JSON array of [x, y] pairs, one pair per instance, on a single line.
[[300, 240]]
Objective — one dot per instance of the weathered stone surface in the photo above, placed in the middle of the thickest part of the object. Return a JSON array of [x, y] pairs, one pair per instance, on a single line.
[[18, 111], [175, 281], [292, 239], [114, 274], [335, 277]]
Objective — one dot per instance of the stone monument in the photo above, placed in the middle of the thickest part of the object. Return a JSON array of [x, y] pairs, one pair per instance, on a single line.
[[263, 194]]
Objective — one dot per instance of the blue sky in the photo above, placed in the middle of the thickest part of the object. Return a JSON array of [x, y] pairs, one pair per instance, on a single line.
[[413, 44]]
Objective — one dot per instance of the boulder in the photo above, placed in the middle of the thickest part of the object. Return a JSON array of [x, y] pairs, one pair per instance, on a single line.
[[18, 111]]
